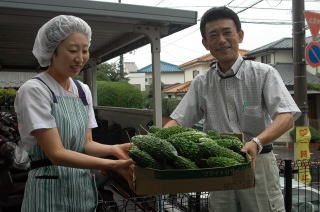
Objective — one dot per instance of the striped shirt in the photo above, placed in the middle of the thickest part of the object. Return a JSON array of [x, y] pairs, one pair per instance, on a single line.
[[245, 103]]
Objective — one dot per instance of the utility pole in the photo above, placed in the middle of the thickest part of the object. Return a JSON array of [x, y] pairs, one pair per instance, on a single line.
[[121, 58], [121, 66], [299, 62]]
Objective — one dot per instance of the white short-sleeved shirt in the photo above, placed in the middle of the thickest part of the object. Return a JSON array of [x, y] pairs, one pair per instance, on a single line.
[[33, 106], [245, 103]]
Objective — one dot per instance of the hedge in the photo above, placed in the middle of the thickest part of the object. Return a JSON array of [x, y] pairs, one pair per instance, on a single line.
[[119, 94], [314, 86], [7, 96]]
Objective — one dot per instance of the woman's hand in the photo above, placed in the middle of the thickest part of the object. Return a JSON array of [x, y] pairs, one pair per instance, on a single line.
[[125, 164], [125, 168], [121, 150]]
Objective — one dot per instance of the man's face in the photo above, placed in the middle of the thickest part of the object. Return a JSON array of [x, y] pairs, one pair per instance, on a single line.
[[222, 40]]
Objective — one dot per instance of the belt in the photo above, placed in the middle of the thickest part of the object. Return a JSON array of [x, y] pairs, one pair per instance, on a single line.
[[266, 149], [40, 163]]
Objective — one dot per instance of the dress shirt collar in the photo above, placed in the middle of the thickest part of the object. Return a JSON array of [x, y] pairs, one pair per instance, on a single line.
[[233, 71]]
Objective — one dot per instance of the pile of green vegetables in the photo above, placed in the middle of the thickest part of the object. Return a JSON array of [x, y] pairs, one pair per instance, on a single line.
[[185, 148]]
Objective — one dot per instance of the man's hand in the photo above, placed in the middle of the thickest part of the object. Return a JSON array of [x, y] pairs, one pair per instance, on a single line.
[[171, 123], [252, 149]]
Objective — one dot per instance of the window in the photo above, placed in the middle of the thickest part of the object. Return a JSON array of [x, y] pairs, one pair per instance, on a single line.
[[266, 59], [195, 73], [148, 80]]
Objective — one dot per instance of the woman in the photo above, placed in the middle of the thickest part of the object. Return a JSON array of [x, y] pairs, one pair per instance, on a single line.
[[55, 118]]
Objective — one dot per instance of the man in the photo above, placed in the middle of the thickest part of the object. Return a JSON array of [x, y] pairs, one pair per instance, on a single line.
[[240, 96]]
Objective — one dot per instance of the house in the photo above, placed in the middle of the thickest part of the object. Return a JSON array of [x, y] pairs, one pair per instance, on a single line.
[[313, 96], [279, 51], [191, 69], [136, 79], [199, 65], [170, 74], [130, 67], [177, 90], [279, 55]]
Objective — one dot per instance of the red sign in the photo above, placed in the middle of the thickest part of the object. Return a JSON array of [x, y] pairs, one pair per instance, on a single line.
[[313, 54], [313, 20]]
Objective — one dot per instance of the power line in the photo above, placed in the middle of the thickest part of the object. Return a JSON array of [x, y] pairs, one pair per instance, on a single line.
[[249, 6], [291, 0], [273, 5], [169, 3], [159, 3], [229, 2], [263, 8], [264, 19], [265, 22], [182, 47], [242, 3], [182, 37]]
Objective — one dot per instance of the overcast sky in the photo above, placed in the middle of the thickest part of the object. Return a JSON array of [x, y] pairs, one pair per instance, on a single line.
[[186, 45]]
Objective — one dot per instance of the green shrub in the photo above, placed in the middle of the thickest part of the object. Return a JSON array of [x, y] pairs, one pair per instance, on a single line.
[[315, 134], [314, 86], [7, 97], [168, 105], [119, 94]]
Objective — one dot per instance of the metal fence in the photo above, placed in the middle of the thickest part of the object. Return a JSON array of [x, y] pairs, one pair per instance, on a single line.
[[184, 202], [298, 196], [301, 187]]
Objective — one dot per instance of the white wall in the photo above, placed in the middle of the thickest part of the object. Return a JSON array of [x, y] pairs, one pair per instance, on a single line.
[[188, 73], [313, 70], [284, 56], [137, 79], [167, 77]]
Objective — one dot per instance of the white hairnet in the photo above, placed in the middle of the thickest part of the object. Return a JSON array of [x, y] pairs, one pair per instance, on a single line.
[[52, 33]]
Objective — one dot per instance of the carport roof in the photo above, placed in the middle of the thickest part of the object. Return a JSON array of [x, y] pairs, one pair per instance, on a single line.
[[117, 28]]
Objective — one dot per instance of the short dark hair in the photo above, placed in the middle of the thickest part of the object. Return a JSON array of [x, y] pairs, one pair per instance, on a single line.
[[216, 13]]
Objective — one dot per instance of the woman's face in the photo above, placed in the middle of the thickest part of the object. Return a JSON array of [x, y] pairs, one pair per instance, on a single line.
[[71, 55]]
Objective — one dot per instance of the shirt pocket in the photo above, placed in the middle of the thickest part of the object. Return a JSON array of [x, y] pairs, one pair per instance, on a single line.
[[252, 111], [252, 121]]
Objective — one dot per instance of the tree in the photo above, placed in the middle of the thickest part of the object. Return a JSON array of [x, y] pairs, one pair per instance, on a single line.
[[110, 72], [149, 96]]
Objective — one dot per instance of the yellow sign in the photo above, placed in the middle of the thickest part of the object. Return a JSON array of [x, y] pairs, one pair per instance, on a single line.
[[302, 153]]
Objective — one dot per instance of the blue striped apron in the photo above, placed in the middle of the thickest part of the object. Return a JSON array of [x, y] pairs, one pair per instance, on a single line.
[[53, 188]]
